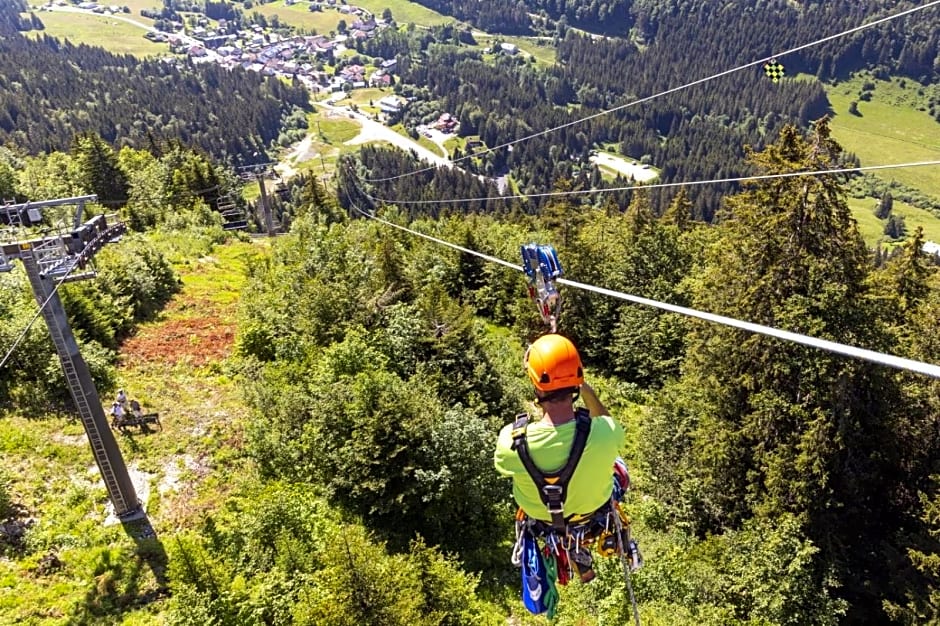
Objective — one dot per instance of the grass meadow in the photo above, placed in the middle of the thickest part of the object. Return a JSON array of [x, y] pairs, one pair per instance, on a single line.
[[113, 34], [872, 229], [890, 128]]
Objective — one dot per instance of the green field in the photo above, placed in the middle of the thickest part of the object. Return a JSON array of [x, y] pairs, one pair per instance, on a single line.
[[136, 5], [872, 229], [404, 12], [300, 16], [542, 50], [106, 31], [890, 129]]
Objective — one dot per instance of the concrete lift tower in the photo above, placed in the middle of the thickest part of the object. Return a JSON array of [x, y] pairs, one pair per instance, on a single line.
[[49, 260]]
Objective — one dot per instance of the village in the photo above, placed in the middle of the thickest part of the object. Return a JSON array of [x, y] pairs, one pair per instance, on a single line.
[[301, 57]]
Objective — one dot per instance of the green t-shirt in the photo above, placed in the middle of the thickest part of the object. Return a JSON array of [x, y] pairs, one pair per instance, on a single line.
[[591, 484]]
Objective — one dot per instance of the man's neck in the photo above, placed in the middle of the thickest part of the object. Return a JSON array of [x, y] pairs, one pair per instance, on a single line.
[[557, 413]]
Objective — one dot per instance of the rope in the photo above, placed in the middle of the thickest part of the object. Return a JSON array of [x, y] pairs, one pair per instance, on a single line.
[[618, 524], [700, 81], [551, 575]]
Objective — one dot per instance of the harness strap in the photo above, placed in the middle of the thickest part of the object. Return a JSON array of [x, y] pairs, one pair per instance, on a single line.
[[553, 486]]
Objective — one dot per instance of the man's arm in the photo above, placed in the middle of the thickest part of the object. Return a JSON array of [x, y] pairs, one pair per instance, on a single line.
[[591, 401]]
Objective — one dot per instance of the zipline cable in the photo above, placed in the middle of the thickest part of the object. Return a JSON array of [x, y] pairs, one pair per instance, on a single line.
[[711, 181], [823, 344], [699, 81]]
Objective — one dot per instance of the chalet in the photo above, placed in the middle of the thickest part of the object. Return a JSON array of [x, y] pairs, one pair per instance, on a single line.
[[366, 26], [931, 247], [353, 73], [88, 5], [509, 48], [390, 104], [380, 79], [446, 123], [218, 41], [389, 65]]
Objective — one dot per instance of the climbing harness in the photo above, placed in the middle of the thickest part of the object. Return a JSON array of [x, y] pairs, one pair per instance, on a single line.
[[553, 486], [566, 554], [542, 267], [568, 540]]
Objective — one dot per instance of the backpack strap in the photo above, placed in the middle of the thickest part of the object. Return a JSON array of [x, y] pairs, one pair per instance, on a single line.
[[553, 486]]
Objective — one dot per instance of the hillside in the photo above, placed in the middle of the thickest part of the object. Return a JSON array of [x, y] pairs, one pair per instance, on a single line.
[[330, 399]]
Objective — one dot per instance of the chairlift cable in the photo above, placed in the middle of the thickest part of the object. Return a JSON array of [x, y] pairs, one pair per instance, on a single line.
[[710, 181], [36, 315]]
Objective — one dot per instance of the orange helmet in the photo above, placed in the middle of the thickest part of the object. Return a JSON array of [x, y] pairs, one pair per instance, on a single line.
[[552, 363]]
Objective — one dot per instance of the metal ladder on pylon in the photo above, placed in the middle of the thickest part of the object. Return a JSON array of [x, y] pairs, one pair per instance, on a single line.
[[84, 409]]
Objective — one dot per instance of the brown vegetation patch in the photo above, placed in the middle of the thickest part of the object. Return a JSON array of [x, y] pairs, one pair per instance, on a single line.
[[197, 341]]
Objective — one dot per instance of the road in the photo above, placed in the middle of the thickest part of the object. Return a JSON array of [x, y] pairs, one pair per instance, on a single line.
[[376, 131]]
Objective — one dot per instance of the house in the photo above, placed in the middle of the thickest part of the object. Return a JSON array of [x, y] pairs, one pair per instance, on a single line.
[[446, 123], [931, 247], [390, 104], [509, 48], [88, 5], [380, 79], [366, 26], [389, 65]]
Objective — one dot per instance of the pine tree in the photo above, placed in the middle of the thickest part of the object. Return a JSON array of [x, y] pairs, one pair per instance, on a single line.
[[763, 427], [98, 169]]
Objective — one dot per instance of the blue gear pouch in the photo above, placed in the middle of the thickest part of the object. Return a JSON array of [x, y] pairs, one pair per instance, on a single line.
[[534, 576]]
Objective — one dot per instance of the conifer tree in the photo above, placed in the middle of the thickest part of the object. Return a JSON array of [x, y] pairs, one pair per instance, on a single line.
[[761, 428], [98, 169]]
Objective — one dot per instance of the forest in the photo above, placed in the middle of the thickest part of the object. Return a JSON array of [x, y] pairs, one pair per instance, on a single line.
[[780, 484], [697, 133], [772, 483], [51, 91]]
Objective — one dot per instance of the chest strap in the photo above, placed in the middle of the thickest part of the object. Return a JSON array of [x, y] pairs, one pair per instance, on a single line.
[[553, 486]]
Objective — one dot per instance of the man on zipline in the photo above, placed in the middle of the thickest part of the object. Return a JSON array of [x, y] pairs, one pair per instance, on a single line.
[[566, 493]]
